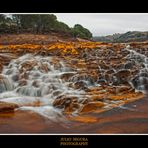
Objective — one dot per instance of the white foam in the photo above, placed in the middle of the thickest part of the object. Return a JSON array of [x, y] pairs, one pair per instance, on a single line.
[[40, 87], [46, 111]]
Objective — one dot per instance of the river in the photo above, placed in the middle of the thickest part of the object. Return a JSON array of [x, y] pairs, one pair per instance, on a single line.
[[54, 95]]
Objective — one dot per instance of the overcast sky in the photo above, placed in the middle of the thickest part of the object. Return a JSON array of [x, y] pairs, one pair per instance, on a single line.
[[106, 23]]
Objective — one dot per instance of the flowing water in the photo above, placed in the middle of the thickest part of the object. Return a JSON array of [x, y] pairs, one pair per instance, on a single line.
[[34, 82], [140, 81]]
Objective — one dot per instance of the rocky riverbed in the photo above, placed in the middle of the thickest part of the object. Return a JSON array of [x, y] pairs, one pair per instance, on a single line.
[[73, 85]]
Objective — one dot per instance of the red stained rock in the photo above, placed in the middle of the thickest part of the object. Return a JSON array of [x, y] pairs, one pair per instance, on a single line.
[[69, 104], [7, 107], [91, 106]]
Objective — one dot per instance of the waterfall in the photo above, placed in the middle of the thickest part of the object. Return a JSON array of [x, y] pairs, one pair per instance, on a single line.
[[5, 84], [140, 81], [42, 84], [34, 82]]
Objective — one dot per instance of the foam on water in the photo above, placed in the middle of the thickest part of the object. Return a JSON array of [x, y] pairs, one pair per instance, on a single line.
[[46, 111]]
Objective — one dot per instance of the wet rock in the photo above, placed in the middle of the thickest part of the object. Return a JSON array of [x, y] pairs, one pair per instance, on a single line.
[[80, 85], [68, 104], [22, 82], [102, 81], [103, 65], [84, 101], [44, 68], [129, 65], [71, 107], [121, 77], [111, 71], [57, 65], [98, 97], [121, 89], [35, 84], [66, 76], [28, 65], [24, 75], [56, 93], [74, 61], [143, 74], [120, 66], [92, 65], [15, 77], [92, 106], [134, 72], [82, 76], [135, 81], [7, 107]]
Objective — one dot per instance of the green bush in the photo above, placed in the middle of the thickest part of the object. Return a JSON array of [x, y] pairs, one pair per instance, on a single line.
[[79, 31]]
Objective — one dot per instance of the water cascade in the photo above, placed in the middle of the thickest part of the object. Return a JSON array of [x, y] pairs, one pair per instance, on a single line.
[[140, 80], [35, 81]]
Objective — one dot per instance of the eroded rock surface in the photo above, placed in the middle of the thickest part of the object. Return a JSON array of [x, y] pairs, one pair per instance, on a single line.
[[76, 77]]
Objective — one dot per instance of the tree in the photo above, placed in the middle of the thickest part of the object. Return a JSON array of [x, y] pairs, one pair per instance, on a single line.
[[40, 24], [79, 31], [2, 18]]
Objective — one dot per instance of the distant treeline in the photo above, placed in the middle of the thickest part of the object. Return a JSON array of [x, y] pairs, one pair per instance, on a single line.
[[40, 24]]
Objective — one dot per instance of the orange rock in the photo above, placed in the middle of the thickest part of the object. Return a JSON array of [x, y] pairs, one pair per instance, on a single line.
[[85, 119], [98, 97], [69, 104], [91, 106], [7, 107]]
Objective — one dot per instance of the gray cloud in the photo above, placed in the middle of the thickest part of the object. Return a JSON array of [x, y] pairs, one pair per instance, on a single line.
[[107, 23]]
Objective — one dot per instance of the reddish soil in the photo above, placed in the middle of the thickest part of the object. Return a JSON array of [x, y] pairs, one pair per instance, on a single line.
[[12, 39]]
